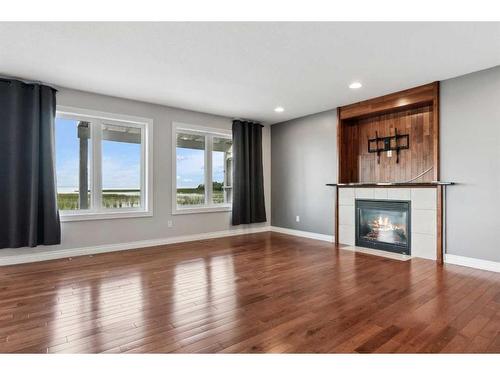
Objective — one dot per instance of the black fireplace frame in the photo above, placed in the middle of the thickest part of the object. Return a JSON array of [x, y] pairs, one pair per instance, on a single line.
[[383, 204]]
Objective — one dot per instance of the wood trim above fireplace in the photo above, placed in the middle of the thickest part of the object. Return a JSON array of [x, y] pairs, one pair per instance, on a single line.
[[406, 99]]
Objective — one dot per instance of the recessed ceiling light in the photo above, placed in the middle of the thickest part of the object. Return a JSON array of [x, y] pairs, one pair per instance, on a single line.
[[279, 109], [355, 85]]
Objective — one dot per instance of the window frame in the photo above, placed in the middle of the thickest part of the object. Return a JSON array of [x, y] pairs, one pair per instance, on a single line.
[[97, 119], [209, 133]]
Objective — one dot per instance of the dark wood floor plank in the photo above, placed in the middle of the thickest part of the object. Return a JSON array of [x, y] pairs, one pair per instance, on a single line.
[[256, 293], [378, 340]]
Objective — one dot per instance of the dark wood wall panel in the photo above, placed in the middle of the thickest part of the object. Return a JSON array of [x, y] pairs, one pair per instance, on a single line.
[[350, 148], [362, 166], [418, 120]]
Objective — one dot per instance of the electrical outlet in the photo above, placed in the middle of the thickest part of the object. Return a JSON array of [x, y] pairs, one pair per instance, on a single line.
[[170, 224], [297, 218], [389, 154]]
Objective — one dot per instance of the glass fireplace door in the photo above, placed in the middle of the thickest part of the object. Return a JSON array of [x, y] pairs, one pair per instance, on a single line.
[[383, 225]]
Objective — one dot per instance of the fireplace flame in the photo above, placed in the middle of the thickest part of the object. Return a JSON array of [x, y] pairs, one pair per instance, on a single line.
[[384, 224]]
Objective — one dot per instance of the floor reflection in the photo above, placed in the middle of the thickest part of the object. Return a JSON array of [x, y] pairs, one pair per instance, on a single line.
[[97, 312], [204, 293]]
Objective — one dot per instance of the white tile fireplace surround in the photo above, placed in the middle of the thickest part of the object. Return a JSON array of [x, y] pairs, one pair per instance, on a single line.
[[423, 215]]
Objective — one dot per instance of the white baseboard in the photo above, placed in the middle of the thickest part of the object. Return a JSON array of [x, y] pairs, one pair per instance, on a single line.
[[301, 233], [38, 255], [481, 264], [35, 255]]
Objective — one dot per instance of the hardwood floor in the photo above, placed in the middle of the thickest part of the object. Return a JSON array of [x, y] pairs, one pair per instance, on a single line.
[[264, 292]]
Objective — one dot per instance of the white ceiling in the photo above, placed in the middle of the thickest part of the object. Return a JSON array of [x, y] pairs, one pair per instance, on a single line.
[[246, 69]]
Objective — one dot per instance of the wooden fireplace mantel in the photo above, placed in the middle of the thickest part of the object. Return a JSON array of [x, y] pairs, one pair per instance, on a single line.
[[392, 184]]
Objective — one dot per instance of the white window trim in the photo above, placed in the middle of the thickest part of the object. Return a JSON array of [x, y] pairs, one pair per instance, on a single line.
[[209, 133], [97, 213]]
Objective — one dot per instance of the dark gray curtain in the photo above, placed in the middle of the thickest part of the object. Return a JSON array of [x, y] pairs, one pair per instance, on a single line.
[[28, 205], [248, 181]]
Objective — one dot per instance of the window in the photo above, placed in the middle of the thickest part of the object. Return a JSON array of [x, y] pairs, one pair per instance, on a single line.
[[102, 165], [202, 166], [73, 163], [121, 166]]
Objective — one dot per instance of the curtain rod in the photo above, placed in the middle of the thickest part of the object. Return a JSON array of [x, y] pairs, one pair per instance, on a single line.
[[247, 120], [26, 81]]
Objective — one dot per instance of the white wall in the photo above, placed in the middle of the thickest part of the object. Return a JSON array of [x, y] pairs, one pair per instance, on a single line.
[[102, 232]]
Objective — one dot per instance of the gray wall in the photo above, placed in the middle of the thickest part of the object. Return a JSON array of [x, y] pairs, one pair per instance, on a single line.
[[303, 160], [113, 231], [470, 155]]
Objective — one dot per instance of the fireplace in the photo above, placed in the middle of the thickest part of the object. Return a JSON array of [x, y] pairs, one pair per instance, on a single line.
[[384, 225]]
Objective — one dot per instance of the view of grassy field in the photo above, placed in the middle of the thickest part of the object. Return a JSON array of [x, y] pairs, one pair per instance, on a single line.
[[131, 198], [193, 196], [110, 199]]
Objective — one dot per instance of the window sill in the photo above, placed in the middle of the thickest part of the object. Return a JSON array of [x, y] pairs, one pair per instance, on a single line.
[[67, 217], [200, 210]]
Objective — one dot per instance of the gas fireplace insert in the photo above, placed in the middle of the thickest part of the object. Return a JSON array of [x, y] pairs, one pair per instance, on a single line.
[[384, 225]]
